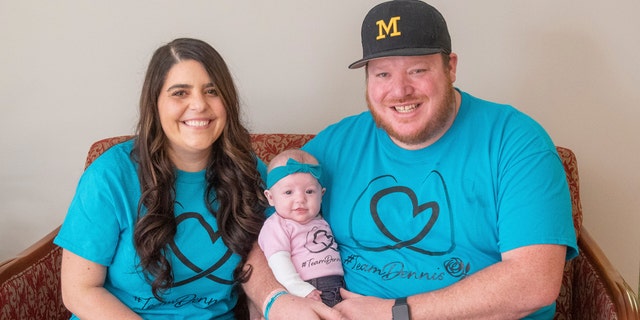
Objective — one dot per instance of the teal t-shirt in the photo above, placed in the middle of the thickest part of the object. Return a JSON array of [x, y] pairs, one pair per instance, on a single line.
[[99, 227], [409, 222]]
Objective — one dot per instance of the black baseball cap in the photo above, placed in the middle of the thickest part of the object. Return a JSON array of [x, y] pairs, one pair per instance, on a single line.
[[403, 28]]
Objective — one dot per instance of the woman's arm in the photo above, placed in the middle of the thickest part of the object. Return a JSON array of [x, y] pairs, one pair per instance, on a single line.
[[83, 291]]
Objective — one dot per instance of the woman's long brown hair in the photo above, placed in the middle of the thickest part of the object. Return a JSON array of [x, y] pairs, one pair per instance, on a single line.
[[231, 174]]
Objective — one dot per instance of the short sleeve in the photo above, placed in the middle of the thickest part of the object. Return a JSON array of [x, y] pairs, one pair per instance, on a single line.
[[545, 220], [104, 208], [91, 228], [274, 236]]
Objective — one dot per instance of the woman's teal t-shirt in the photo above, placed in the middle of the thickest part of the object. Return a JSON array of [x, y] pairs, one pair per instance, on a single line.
[[99, 227]]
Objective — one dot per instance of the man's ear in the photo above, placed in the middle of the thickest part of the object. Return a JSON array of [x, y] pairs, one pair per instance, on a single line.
[[453, 65]]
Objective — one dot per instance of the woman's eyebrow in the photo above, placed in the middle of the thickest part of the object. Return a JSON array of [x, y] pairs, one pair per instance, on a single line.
[[179, 86], [188, 86]]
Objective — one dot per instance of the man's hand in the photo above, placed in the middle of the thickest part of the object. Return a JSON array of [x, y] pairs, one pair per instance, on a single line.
[[356, 307]]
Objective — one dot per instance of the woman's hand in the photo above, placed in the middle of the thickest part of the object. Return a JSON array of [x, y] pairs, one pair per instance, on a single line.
[[290, 306]]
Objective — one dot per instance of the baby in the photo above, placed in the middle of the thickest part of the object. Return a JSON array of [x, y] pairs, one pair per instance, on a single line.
[[296, 240]]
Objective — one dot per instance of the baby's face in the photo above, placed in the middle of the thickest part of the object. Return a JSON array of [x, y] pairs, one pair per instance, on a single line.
[[297, 197]]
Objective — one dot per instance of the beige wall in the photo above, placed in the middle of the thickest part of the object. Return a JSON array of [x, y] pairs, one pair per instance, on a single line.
[[70, 72]]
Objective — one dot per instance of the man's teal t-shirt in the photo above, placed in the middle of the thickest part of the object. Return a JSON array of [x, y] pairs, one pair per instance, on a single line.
[[414, 221]]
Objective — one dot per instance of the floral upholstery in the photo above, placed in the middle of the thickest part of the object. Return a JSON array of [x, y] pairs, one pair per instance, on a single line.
[[603, 308], [266, 146], [564, 301], [591, 288], [570, 164], [98, 147], [30, 283], [585, 294]]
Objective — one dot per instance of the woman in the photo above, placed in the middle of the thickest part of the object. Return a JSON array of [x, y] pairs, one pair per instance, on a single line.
[[161, 225]]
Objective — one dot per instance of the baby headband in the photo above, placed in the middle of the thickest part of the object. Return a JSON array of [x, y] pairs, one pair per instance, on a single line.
[[292, 167]]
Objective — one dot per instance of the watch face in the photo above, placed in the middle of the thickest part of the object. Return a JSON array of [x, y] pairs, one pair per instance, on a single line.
[[400, 312]]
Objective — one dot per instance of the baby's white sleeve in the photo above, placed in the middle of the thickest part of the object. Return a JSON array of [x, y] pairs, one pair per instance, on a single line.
[[284, 271]]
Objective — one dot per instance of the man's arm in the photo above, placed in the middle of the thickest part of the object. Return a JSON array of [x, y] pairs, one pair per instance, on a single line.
[[527, 279], [262, 285]]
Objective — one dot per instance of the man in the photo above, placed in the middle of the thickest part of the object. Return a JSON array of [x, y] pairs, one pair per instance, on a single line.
[[445, 206]]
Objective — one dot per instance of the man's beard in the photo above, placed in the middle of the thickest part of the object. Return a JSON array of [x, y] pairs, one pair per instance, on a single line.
[[434, 127]]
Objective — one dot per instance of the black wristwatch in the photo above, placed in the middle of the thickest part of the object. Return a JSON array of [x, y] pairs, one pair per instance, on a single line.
[[400, 310]]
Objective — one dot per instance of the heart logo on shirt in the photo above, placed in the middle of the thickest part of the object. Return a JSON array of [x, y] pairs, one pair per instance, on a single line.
[[431, 208], [200, 272], [319, 240], [399, 219]]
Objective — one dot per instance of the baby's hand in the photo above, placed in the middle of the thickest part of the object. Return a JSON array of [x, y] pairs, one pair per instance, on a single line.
[[314, 295]]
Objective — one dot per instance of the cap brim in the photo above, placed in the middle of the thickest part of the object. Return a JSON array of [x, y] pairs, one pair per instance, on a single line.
[[397, 52]]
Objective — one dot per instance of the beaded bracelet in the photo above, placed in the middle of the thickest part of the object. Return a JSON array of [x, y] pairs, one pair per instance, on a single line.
[[270, 303]]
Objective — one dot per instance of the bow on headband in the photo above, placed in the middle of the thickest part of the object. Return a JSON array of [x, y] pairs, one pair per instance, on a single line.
[[292, 167]]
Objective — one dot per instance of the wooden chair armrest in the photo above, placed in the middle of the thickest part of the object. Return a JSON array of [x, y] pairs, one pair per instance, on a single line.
[[28, 257], [617, 290]]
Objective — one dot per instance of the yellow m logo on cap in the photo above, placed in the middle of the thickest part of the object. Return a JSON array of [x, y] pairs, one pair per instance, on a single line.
[[385, 29]]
